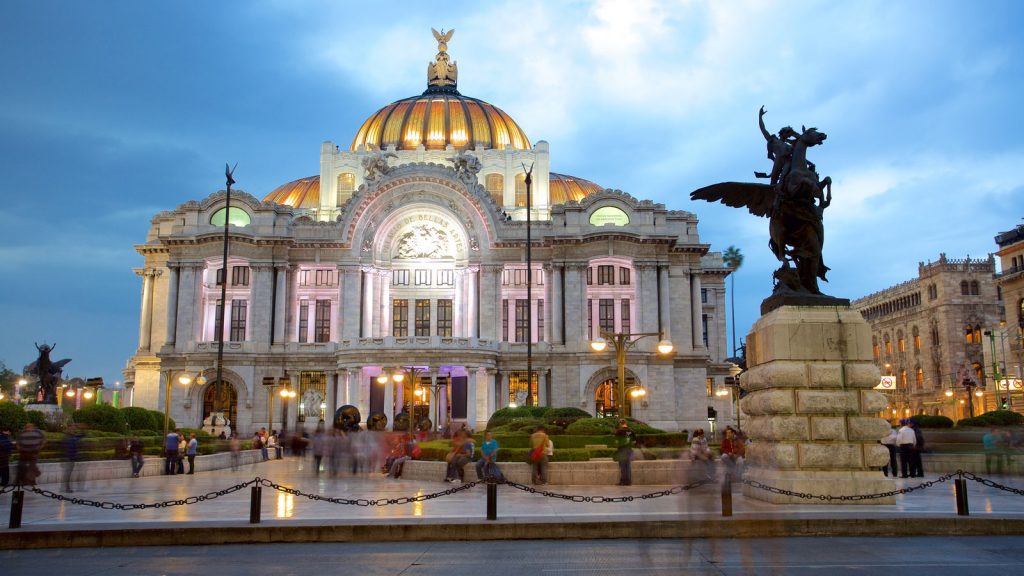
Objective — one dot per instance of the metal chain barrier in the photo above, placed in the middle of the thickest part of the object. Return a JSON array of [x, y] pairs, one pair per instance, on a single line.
[[141, 506], [6, 489], [990, 483], [606, 499], [848, 498], [365, 501]]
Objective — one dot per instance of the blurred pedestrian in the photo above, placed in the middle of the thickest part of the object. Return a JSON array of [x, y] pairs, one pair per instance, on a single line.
[[890, 444], [30, 442], [6, 448], [71, 444], [905, 440], [625, 441], [699, 452], [460, 454], [182, 446], [190, 452], [236, 448], [274, 444], [320, 445], [135, 452], [259, 444], [539, 456], [916, 467]]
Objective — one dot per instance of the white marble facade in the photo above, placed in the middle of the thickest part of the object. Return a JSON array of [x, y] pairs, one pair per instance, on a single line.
[[420, 261]]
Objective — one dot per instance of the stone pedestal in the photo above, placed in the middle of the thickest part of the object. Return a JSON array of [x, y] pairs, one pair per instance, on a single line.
[[813, 416]]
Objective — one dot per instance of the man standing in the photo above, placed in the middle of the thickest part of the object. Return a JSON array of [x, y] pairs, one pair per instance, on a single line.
[[135, 451], [72, 440], [171, 452], [906, 439], [6, 447], [30, 442], [193, 445], [890, 444], [916, 468]]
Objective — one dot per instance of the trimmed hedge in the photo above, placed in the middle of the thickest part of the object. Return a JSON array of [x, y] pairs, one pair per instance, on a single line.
[[141, 419], [976, 421], [505, 415], [12, 417], [1003, 418], [563, 417], [102, 417], [926, 421], [603, 426], [159, 420]]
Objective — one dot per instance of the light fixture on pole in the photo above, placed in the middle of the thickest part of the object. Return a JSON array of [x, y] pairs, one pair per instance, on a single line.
[[184, 379], [622, 341]]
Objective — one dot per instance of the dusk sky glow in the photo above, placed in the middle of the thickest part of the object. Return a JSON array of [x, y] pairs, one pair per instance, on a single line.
[[112, 112]]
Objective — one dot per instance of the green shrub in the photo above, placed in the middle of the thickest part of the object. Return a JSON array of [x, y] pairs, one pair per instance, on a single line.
[[144, 433], [926, 421], [38, 418], [141, 419], [12, 417], [199, 432], [563, 417], [606, 426], [976, 421], [1003, 418], [506, 415], [102, 417], [159, 420], [666, 440]]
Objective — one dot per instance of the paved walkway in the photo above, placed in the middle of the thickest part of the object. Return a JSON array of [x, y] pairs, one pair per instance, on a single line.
[[468, 505]]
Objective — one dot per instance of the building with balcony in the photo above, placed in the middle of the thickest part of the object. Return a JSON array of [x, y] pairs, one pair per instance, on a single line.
[[407, 254], [1007, 340], [929, 334]]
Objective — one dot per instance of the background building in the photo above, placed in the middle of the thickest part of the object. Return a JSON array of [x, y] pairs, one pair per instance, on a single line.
[[928, 333], [1008, 338], [407, 254]]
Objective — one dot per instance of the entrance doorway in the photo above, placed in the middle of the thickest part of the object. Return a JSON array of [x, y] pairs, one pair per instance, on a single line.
[[228, 403], [605, 402]]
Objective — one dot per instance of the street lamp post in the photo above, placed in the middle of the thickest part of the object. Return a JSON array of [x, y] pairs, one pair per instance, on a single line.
[[287, 393], [398, 376], [184, 379], [621, 342]]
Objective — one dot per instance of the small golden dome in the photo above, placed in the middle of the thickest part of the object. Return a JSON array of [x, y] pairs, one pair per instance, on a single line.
[[436, 120], [563, 188], [301, 193]]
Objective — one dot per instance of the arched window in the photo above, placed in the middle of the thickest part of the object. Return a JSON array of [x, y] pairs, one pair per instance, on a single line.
[[228, 403], [604, 398], [520, 190], [977, 334], [969, 333], [917, 339], [979, 372], [903, 378], [495, 185], [935, 335], [876, 351], [901, 344], [975, 288], [965, 288], [919, 378], [888, 345], [239, 217]]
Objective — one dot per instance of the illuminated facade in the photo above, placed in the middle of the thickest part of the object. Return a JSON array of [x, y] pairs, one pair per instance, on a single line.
[[1008, 340], [929, 334], [407, 252]]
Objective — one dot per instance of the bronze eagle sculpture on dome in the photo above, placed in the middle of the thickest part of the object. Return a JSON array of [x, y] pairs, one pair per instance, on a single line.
[[794, 202]]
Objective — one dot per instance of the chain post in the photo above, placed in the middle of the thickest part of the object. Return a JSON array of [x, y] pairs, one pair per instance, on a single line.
[[727, 494], [17, 501], [492, 498], [254, 504], [960, 489]]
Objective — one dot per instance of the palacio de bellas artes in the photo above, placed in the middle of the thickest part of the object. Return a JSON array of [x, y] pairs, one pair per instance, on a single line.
[[437, 268]]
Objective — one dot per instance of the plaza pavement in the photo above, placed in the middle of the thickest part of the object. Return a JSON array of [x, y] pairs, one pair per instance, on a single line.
[[461, 515]]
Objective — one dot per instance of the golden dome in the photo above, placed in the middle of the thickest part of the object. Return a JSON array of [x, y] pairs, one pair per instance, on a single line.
[[435, 120], [563, 188], [301, 193]]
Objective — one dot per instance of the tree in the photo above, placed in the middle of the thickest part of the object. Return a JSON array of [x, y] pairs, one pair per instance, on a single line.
[[733, 258], [8, 380]]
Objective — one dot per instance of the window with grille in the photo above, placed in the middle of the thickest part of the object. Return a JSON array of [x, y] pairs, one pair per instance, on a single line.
[[421, 277], [400, 277], [445, 277], [325, 277], [323, 321], [218, 326], [346, 183], [624, 316], [520, 190], [239, 275], [220, 276], [965, 288], [901, 344], [422, 318], [238, 312], [590, 318], [303, 277], [590, 275], [704, 328], [975, 288], [605, 275], [624, 276], [703, 295], [522, 325], [919, 378], [606, 314], [444, 318], [504, 320], [303, 321], [400, 318], [540, 320], [495, 185], [519, 385]]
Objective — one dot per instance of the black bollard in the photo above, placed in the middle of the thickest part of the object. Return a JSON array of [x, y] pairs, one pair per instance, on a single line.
[[492, 499], [254, 505], [727, 494], [960, 488], [17, 501]]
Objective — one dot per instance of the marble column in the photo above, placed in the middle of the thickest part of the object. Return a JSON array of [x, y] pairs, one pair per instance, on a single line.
[[664, 306], [351, 299], [384, 314], [146, 313], [503, 395], [491, 376], [349, 382], [332, 397], [459, 303], [280, 304], [259, 306], [172, 305], [433, 414], [368, 287], [472, 301], [696, 312], [575, 300], [471, 396], [490, 302], [359, 385], [555, 306], [389, 402], [187, 311]]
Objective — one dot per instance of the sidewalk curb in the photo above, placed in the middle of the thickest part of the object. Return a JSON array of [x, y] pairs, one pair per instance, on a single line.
[[200, 533]]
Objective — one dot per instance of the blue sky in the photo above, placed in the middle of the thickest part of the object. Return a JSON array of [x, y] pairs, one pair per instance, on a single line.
[[113, 111]]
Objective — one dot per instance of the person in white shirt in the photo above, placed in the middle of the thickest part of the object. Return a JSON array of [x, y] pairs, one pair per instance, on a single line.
[[890, 443], [905, 439]]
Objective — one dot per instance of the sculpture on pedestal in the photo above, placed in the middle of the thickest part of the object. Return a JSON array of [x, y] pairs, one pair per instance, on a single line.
[[794, 201], [48, 373]]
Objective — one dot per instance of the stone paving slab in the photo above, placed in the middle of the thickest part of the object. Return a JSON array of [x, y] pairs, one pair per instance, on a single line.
[[289, 516]]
